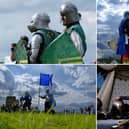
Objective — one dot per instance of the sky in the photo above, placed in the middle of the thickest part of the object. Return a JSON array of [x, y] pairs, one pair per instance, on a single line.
[[16, 15], [73, 86], [109, 16]]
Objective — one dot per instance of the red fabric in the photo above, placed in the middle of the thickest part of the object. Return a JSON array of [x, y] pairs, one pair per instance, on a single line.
[[125, 57]]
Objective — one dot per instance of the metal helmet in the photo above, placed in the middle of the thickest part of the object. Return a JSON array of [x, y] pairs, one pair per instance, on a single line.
[[70, 11], [39, 21], [117, 108], [118, 104]]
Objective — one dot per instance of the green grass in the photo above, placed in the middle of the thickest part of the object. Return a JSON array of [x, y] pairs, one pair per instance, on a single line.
[[46, 121]]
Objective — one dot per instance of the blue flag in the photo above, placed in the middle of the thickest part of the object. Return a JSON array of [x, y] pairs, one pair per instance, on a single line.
[[45, 79]]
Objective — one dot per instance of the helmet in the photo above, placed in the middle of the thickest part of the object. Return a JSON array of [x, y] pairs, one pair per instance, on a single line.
[[24, 37], [117, 108], [26, 93], [126, 14], [118, 105], [70, 11], [39, 21]]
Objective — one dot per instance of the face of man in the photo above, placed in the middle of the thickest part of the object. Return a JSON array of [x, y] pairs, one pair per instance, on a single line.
[[32, 28], [63, 18]]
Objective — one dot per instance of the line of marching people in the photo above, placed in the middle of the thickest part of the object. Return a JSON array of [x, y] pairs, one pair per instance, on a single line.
[[26, 101]]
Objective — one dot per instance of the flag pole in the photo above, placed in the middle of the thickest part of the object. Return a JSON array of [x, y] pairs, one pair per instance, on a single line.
[[39, 97], [45, 80], [39, 93], [51, 82]]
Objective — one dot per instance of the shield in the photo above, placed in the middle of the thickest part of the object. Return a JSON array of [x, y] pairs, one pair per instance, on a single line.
[[113, 44], [61, 51], [21, 54]]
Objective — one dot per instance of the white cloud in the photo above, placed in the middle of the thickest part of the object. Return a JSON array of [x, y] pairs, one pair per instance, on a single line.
[[124, 1], [102, 15], [111, 9], [103, 27], [7, 78], [15, 3], [88, 23], [28, 82], [2, 77], [74, 97], [82, 76]]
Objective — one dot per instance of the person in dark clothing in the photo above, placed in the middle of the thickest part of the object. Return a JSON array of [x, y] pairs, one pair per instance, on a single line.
[[26, 101], [123, 41]]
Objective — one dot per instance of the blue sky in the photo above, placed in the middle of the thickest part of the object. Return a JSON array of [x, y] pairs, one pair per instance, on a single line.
[[73, 85], [16, 15], [109, 15]]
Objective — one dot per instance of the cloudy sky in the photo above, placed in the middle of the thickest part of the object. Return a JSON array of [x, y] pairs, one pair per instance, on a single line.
[[109, 15], [16, 15], [73, 85]]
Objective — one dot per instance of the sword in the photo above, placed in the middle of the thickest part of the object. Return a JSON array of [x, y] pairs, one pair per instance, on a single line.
[[120, 123]]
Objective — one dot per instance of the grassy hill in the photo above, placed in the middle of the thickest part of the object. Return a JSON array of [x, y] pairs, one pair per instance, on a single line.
[[46, 121]]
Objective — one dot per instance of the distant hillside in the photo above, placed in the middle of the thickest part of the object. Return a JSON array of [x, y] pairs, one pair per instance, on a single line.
[[101, 46], [108, 61]]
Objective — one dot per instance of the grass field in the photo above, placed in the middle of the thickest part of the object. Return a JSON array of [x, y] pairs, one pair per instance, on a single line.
[[46, 121]]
